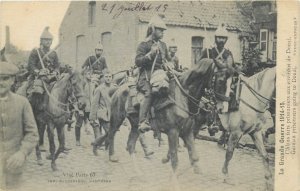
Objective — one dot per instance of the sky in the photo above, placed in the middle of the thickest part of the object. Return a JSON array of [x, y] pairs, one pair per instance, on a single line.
[[28, 19]]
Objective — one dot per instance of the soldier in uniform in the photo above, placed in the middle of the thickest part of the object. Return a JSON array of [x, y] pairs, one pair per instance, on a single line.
[[18, 130], [224, 72], [224, 69], [43, 65], [96, 63], [152, 51], [174, 58]]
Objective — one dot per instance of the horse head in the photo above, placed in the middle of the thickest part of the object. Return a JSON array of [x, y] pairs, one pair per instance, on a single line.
[[77, 90], [198, 78]]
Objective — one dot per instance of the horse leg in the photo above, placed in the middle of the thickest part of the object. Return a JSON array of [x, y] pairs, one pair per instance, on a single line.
[[50, 131], [111, 147], [173, 135], [232, 142], [61, 141], [41, 131], [132, 138], [173, 143], [189, 142], [258, 141]]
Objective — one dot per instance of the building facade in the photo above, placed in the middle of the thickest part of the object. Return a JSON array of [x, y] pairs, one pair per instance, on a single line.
[[120, 26]]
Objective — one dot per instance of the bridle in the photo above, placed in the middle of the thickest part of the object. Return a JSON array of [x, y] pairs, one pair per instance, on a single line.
[[64, 107], [259, 97]]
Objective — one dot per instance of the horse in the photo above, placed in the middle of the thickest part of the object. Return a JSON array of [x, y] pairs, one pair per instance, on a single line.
[[55, 113], [256, 94], [176, 119]]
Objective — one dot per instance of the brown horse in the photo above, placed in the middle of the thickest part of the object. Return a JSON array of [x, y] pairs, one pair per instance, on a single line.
[[176, 119], [55, 113], [256, 95]]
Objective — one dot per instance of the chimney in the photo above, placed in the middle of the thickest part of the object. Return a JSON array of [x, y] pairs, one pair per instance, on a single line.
[[7, 41]]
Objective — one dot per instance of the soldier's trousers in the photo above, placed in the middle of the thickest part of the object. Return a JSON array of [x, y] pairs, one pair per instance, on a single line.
[[146, 104], [79, 121], [98, 137]]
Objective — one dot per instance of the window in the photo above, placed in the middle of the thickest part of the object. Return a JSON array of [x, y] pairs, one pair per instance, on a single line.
[[263, 39], [197, 46], [263, 44], [80, 46], [92, 12]]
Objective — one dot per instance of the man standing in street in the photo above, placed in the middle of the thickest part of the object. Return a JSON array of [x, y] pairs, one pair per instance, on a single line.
[[18, 130], [100, 108]]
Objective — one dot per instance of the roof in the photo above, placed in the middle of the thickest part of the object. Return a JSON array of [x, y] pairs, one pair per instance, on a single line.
[[202, 14]]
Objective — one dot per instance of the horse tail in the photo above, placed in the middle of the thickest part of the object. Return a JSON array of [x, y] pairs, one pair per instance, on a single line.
[[118, 110]]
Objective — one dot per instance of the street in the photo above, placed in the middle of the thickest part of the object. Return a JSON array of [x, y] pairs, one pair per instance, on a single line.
[[81, 170]]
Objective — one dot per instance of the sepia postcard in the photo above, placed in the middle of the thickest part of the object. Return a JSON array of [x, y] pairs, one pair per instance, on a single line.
[[150, 95]]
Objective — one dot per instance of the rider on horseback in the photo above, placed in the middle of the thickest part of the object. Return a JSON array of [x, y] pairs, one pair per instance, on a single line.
[[96, 64], [224, 70], [43, 64], [152, 51]]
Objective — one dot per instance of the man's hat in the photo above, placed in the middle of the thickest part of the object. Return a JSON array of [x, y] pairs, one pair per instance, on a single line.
[[172, 44], [221, 31], [8, 69], [99, 46], [46, 34], [157, 22]]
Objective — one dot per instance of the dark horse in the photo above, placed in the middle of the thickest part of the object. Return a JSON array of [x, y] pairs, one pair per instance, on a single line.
[[176, 119], [55, 113]]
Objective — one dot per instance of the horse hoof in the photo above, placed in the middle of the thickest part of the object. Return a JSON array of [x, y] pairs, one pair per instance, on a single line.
[[149, 153], [113, 158], [197, 169], [54, 167], [165, 160], [228, 180], [78, 143]]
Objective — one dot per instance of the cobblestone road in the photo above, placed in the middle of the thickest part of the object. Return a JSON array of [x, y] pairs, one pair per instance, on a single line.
[[81, 170]]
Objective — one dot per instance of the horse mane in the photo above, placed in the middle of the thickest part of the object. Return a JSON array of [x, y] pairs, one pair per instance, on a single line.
[[256, 80], [198, 78]]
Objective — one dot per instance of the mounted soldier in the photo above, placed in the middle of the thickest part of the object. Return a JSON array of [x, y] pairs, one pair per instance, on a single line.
[[151, 55], [224, 71], [96, 64], [43, 64], [43, 67]]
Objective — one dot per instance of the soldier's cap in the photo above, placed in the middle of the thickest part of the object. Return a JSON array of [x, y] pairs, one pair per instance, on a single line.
[[157, 22], [221, 31], [8, 69], [46, 34]]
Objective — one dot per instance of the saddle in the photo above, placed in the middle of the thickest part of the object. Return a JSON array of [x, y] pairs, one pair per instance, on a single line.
[[160, 101]]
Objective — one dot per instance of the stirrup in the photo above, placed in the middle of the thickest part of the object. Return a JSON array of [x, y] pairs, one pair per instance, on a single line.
[[144, 127]]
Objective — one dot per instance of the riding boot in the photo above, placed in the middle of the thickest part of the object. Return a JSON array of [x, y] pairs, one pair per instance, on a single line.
[[144, 109], [143, 141]]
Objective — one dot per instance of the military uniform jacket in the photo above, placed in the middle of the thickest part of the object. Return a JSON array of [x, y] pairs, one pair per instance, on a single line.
[[95, 63], [143, 61], [100, 107], [225, 56], [50, 60], [18, 130]]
